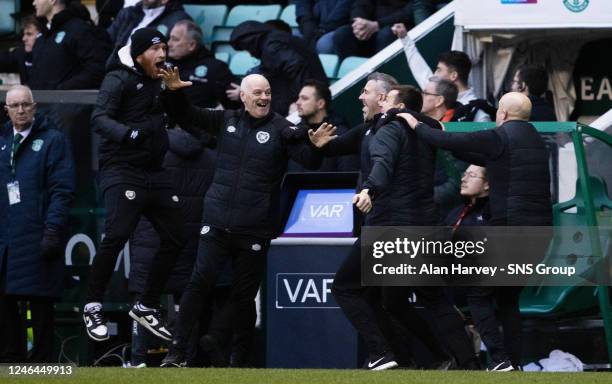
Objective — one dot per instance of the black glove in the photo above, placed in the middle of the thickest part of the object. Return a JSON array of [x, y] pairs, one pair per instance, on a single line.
[[51, 245], [135, 136]]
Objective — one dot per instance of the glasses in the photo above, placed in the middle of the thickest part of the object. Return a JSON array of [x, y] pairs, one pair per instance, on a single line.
[[25, 106], [471, 175], [430, 94]]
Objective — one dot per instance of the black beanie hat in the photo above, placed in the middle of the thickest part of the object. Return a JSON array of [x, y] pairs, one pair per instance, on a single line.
[[144, 38]]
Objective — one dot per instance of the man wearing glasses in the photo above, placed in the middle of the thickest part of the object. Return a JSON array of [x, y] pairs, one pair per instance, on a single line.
[[37, 173]]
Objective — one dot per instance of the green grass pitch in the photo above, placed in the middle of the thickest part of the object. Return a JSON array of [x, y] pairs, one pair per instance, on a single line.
[[307, 376]]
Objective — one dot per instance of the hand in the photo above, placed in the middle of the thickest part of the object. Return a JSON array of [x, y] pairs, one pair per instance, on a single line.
[[135, 136], [323, 135], [233, 93], [51, 245], [292, 108], [172, 80], [399, 30], [362, 201], [411, 120], [364, 29]]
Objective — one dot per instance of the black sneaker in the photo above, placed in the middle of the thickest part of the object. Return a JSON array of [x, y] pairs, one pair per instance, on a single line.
[[500, 366], [174, 359], [382, 362], [150, 319], [95, 324]]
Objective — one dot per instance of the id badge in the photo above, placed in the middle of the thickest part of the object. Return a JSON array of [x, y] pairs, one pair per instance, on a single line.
[[13, 192]]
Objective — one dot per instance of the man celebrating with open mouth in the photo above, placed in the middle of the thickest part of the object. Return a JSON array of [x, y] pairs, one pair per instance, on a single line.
[[132, 125]]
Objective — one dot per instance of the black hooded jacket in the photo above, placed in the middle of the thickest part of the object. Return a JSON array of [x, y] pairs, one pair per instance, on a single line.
[[190, 165], [286, 61], [70, 55], [244, 196], [210, 78], [129, 99], [517, 168], [396, 167]]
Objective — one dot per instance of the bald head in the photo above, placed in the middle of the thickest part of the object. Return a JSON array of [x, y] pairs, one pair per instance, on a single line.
[[256, 95], [20, 107], [513, 106]]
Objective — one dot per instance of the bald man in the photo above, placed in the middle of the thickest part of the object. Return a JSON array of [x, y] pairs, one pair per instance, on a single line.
[[241, 207], [517, 167], [37, 175]]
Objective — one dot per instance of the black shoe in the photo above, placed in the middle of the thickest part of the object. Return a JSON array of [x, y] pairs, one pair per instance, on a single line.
[[215, 352], [382, 362], [500, 366], [150, 319], [174, 359], [95, 324]]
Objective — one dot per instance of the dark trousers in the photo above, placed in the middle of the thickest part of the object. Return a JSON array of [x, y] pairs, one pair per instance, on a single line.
[[247, 255], [482, 302], [125, 203], [350, 295], [13, 329], [348, 45]]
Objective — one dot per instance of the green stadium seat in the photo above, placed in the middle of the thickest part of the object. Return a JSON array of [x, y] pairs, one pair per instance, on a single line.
[[349, 64], [242, 13], [288, 16], [221, 34], [225, 48], [223, 56], [7, 23], [555, 300], [330, 64], [241, 62], [207, 17]]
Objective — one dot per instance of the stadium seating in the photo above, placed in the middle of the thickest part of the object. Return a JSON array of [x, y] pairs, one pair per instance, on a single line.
[[349, 64], [241, 63], [288, 16], [330, 64], [223, 56], [207, 17], [242, 13]]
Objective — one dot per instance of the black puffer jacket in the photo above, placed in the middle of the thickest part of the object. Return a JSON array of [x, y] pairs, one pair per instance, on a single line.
[[286, 61], [190, 166], [210, 78], [252, 159], [517, 168], [401, 175], [71, 55], [129, 99]]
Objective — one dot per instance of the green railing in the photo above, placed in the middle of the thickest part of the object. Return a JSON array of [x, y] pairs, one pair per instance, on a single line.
[[577, 132]]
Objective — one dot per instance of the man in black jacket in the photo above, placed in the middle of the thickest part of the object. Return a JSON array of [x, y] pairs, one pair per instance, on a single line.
[[158, 14], [210, 77], [131, 122], [397, 190], [70, 54], [313, 106], [519, 195], [241, 207], [286, 61], [532, 81], [19, 59]]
